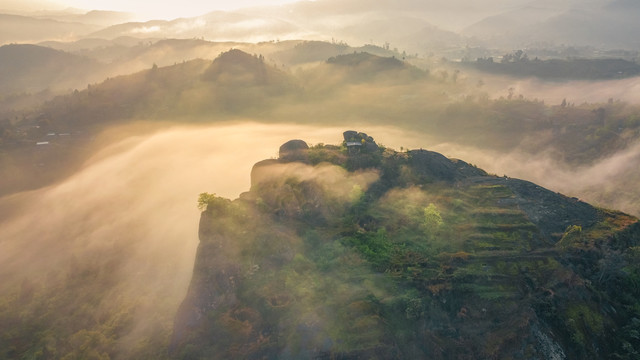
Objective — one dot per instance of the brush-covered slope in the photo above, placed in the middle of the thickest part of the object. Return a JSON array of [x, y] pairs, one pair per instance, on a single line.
[[357, 251]]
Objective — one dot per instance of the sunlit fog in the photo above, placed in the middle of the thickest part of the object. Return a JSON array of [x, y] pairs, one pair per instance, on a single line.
[[319, 179], [130, 215]]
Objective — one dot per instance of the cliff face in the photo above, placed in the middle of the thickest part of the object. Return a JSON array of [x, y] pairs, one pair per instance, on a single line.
[[356, 251]]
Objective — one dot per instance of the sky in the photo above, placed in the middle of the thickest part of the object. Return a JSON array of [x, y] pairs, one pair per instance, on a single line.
[[145, 9], [168, 9]]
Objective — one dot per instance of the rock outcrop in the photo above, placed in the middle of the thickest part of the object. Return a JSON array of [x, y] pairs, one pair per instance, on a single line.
[[293, 150]]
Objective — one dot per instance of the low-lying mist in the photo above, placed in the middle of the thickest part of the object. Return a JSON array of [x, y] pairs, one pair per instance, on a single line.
[[574, 91], [111, 248]]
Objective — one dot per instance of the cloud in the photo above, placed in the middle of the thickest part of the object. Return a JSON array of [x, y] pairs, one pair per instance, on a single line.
[[554, 92], [146, 29]]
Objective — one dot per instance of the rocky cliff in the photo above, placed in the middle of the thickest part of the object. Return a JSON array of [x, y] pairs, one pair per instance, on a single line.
[[357, 251]]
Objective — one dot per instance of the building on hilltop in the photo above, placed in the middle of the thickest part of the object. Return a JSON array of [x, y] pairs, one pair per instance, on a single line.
[[358, 142]]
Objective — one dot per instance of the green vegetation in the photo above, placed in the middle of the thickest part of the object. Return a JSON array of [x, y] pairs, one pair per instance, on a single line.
[[432, 218], [211, 202], [519, 64], [572, 235], [405, 265]]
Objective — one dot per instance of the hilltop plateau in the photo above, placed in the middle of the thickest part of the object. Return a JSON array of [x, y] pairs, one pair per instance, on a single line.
[[359, 251]]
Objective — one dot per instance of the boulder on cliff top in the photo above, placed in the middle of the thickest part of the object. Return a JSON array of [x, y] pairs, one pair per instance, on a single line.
[[293, 150]]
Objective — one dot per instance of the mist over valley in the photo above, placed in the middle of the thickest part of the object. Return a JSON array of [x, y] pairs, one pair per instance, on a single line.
[[151, 199]]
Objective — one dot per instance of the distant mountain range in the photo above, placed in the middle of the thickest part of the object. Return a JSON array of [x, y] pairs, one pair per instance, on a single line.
[[601, 24], [416, 27]]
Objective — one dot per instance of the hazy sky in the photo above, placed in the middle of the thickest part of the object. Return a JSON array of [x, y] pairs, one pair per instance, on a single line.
[[168, 9]]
